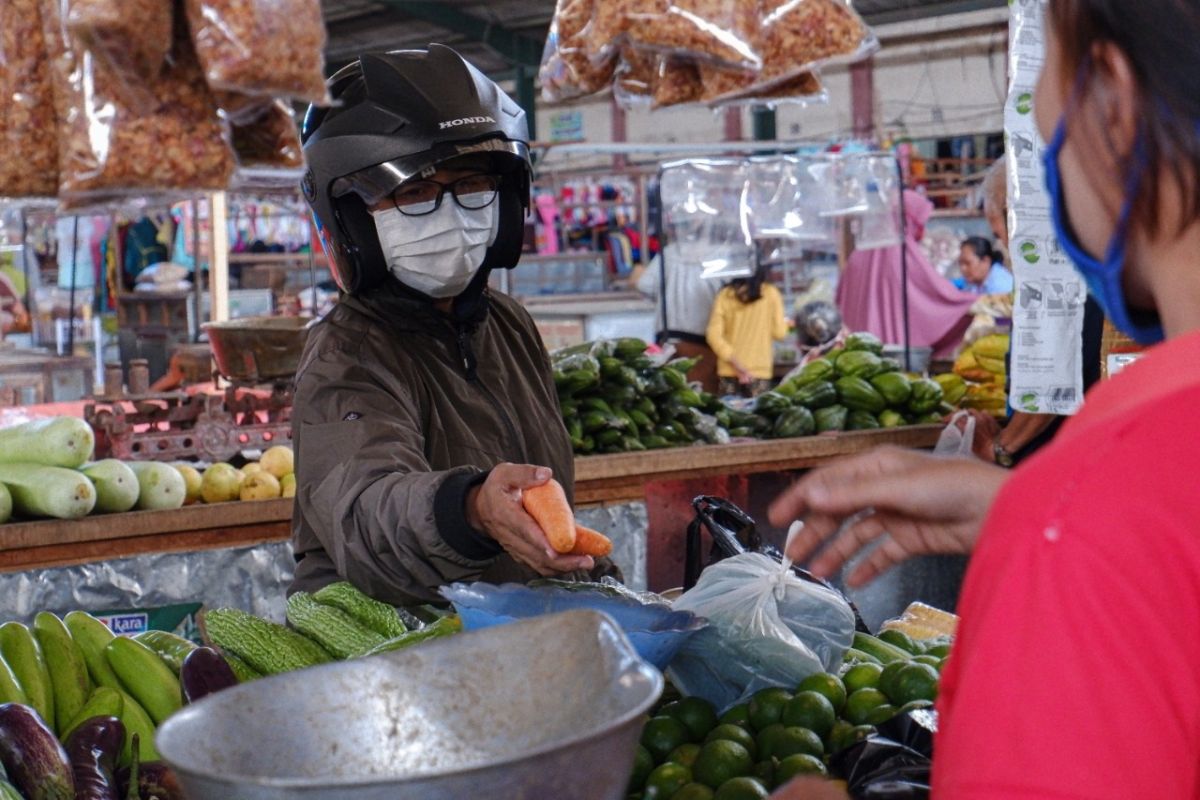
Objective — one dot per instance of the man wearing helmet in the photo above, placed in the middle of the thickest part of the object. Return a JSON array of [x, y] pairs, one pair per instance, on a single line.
[[424, 404]]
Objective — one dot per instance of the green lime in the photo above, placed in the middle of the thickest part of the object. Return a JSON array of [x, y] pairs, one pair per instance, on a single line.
[[799, 764], [721, 760], [939, 650], [745, 788], [899, 639], [737, 715], [932, 661], [767, 739], [881, 714], [916, 682], [696, 714], [887, 678], [810, 710], [765, 772], [830, 686], [766, 707], [693, 791], [662, 735], [734, 733], [794, 740], [861, 676], [643, 765], [666, 780], [685, 754], [858, 705], [846, 735]]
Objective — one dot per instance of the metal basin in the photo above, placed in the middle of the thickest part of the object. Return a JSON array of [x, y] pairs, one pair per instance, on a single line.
[[546, 708], [257, 349]]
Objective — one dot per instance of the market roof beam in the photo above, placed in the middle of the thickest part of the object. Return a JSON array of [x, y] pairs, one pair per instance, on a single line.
[[923, 10], [516, 47]]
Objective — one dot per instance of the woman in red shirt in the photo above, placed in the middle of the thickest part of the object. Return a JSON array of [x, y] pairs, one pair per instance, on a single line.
[[1074, 672]]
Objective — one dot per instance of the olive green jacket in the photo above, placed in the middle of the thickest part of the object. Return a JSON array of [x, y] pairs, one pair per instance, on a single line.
[[398, 413]]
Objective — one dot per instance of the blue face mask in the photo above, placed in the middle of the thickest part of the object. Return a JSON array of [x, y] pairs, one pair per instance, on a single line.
[[1103, 278]]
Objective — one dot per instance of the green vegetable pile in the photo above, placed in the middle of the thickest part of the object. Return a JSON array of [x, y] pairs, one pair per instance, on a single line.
[[852, 389], [616, 399]]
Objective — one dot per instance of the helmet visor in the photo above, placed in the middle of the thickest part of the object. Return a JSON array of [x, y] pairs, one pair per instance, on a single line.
[[377, 183]]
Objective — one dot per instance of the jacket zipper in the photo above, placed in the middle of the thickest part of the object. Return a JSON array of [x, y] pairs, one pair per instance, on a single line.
[[467, 354]]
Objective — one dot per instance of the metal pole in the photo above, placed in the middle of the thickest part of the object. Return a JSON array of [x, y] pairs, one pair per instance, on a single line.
[[197, 284], [904, 268], [26, 251], [74, 279]]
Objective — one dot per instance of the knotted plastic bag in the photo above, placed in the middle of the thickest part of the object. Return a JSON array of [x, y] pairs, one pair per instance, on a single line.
[[767, 627]]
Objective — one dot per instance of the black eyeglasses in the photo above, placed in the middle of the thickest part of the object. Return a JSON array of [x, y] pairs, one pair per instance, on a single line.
[[472, 192]]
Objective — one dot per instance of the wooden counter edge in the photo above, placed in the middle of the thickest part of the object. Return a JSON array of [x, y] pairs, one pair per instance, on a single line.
[[598, 479]]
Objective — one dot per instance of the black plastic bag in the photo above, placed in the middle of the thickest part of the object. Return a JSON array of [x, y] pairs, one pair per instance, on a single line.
[[892, 764]]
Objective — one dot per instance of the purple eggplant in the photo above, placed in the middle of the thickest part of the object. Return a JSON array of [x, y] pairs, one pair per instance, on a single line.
[[93, 749], [205, 671], [155, 781], [34, 760]]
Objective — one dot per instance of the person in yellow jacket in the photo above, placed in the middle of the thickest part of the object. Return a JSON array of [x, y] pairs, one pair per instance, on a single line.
[[747, 318]]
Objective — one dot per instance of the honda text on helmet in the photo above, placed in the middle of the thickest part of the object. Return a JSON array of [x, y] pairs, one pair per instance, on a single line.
[[401, 120]]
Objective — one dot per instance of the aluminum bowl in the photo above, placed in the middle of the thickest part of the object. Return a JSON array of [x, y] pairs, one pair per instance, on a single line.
[[545, 708]]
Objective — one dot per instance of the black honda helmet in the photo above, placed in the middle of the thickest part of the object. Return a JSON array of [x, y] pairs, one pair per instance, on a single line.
[[396, 116]]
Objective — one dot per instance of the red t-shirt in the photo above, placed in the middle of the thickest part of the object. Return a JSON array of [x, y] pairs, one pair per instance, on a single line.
[[1076, 672]]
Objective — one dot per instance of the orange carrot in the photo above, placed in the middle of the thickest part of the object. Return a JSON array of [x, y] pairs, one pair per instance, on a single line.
[[590, 543], [548, 506]]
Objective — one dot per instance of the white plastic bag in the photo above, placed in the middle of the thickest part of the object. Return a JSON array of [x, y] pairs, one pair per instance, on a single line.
[[767, 627], [956, 441]]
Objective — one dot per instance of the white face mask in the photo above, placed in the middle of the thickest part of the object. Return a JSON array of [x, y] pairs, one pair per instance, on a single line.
[[437, 254]]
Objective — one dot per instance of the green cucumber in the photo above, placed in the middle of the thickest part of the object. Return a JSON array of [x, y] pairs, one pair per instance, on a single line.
[[68, 670], [6, 504], [171, 648], [146, 677], [92, 636], [42, 491], [104, 702], [116, 485], [883, 652], [23, 655], [54, 442], [160, 486]]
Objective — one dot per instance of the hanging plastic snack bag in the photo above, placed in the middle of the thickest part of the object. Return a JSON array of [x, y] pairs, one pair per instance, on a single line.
[[720, 31], [269, 139], [800, 35], [724, 86], [637, 72], [261, 47], [28, 146], [568, 70], [132, 35], [116, 142], [609, 24], [767, 627], [677, 82]]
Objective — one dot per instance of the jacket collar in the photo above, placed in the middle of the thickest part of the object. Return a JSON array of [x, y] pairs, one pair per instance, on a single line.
[[404, 309]]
